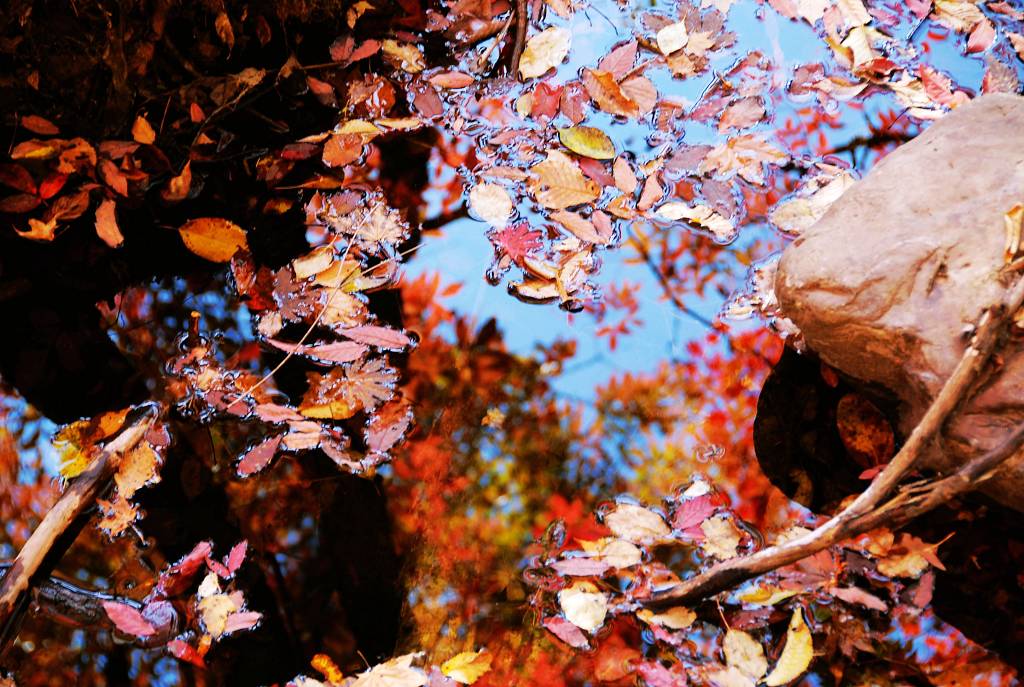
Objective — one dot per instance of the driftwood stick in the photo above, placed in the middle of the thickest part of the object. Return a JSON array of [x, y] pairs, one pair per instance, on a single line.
[[79, 496], [728, 573]]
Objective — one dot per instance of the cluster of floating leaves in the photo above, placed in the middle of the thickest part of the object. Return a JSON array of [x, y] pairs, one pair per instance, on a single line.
[[761, 632], [355, 237], [189, 607]]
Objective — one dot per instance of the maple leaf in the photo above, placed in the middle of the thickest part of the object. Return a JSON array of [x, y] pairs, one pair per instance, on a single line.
[[347, 389], [517, 241], [558, 183]]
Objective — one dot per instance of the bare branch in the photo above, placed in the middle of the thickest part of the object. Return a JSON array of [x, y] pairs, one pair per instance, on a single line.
[[80, 495]]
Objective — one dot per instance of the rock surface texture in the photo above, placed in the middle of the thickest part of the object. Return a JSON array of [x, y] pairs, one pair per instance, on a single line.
[[885, 284]]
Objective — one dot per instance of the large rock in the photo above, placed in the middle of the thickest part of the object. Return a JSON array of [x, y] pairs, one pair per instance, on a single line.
[[885, 284]]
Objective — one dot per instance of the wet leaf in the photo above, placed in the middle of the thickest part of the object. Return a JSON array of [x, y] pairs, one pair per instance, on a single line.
[[467, 667], [636, 524], [583, 605], [491, 203], [796, 654], [587, 141], [259, 456], [398, 672], [567, 632], [866, 434], [213, 238], [544, 51], [142, 132], [558, 183], [128, 619], [672, 37], [678, 618], [744, 653], [721, 537]]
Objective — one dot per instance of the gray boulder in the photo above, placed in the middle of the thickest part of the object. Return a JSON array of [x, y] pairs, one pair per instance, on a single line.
[[885, 284]]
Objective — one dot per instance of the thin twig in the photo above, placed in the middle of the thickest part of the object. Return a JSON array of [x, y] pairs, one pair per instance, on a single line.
[[848, 522], [80, 495]]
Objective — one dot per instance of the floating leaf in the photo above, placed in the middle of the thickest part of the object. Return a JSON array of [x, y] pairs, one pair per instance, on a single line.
[[398, 672], [672, 37], [142, 131], [796, 655], [587, 141], [491, 203], [583, 605], [467, 667], [721, 537], [745, 653], [106, 224], [677, 618], [567, 632], [213, 238], [259, 456], [128, 619], [558, 182], [544, 51], [636, 524]]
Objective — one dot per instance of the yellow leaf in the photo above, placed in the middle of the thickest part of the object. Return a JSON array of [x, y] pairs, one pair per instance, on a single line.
[[766, 596], [328, 668], [678, 618], [558, 182], [636, 524], [744, 653], [1014, 222], [213, 238], [76, 442], [467, 667], [408, 56], [544, 51], [587, 141], [796, 655]]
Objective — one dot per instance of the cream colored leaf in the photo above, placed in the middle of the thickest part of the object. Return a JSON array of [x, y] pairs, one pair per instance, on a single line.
[[854, 13], [398, 672], [796, 655], [959, 15], [491, 203], [812, 10], [797, 214], [636, 524], [700, 215], [467, 667], [544, 51], [408, 56], [721, 537], [314, 262], [558, 183], [672, 37], [214, 611], [584, 606], [745, 653]]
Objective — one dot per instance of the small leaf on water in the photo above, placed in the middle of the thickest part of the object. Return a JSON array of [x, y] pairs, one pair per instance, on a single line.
[[259, 456], [491, 203], [796, 655], [544, 51], [636, 524], [213, 238], [128, 619], [583, 605], [744, 653], [587, 141], [142, 132], [467, 667]]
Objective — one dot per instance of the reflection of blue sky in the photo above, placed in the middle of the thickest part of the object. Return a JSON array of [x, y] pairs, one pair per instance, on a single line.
[[462, 253]]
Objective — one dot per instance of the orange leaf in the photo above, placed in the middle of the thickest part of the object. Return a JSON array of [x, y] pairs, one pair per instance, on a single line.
[[213, 238], [142, 132], [106, 224]]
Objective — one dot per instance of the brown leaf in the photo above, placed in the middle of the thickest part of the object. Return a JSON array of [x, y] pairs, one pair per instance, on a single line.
[[866, 434], [558, 182], [607, 95], [39, 125]]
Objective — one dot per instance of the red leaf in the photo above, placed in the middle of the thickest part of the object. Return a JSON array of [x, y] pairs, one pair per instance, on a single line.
[[19, 202], [691, 513], [259, 456], [175, 579], [365, 49], [17, 177], [382, 337], [517, 240], [237, 555], [185, 652], [338, 352], [52, 185], [38, 125], [128, 619]]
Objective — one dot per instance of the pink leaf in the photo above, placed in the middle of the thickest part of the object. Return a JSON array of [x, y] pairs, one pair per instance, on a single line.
[[580, 566], [920, 8], [272, 412], [174, 580], [242, 621], [620, 60], [382, 337], [981, 37], [338, 352], [657, 675], [691, 513], [237, 555], [128, 619], [259, 456], [567, 632]]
